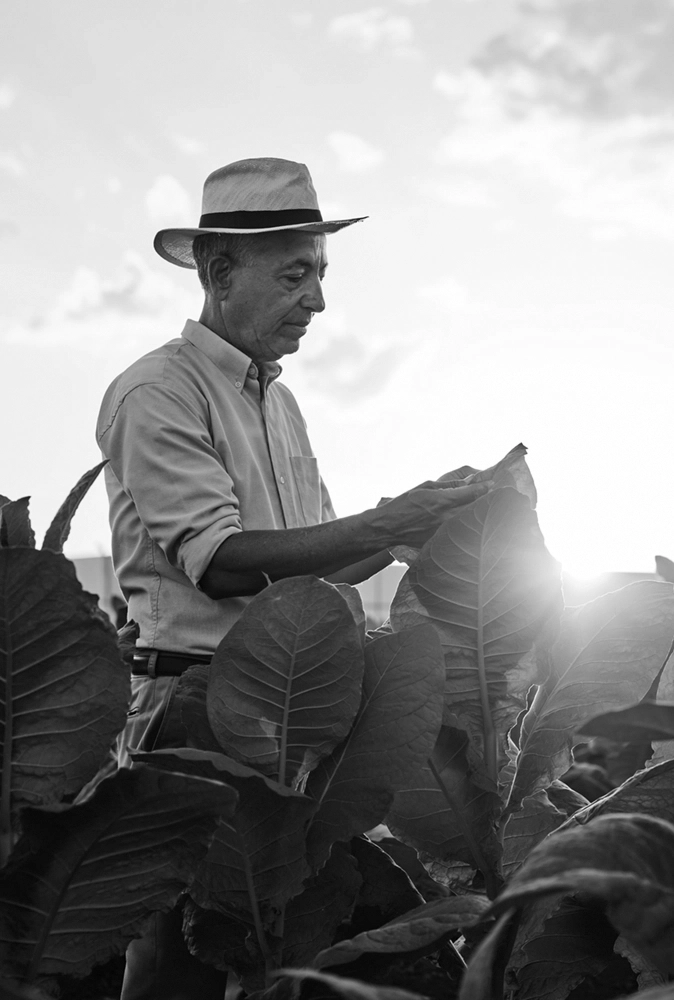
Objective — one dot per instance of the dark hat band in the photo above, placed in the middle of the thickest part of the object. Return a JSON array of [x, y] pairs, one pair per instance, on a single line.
[[259, 220]]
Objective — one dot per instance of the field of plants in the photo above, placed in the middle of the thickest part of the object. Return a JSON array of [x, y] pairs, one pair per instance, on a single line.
[[381, 815]]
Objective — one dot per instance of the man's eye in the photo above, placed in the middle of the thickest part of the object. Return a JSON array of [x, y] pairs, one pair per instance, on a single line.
[[294, 278]]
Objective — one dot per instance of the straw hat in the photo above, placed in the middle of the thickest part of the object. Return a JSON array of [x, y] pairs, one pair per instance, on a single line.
[[263, 195]]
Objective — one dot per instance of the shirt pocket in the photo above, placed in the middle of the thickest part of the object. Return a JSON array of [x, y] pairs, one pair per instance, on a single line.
[[308, 484]]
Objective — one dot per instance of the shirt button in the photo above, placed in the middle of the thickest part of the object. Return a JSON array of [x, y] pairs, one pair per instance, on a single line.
[[238, 385], [281, 480]]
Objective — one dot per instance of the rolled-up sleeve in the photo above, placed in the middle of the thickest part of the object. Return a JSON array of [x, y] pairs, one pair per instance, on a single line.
[[160, 448]]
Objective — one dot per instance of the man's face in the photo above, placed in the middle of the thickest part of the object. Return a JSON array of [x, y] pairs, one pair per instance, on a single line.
[[271, 301]]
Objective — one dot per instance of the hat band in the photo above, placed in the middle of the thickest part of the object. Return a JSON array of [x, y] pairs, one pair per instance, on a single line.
[[259, 220]]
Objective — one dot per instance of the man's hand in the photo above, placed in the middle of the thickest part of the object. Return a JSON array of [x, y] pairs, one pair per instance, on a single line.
[[412, 517]]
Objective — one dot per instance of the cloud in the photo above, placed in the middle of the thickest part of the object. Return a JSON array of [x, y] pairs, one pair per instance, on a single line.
[[355, 155], [138, 305], [188, 145], [462, 189], [369, 29], [7, 96], [576, 99], [168, 203]]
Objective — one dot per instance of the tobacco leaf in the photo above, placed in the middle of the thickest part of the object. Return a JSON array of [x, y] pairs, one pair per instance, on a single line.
[[350, 989], [15, 527], [58, 531], [448, 811], [285, 682], [419, 931], [650, 792], [190, 701], [647, 720], [646, 973], [483, 979], [258, 853], [527, 827], [312, 918], [386, 890], [83, 878], [224, 942], [626, 861], [511, 470], [488, 585], [575, 945], [393, 734], [66, 688], [664, 567], [606, 655], [566, 799], [355, 602]]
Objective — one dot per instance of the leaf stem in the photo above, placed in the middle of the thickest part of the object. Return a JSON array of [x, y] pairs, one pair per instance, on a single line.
[[491, 880], [490, 736], [269, 962]]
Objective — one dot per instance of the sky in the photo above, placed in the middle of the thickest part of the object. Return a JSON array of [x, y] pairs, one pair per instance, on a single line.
[[512, 281]]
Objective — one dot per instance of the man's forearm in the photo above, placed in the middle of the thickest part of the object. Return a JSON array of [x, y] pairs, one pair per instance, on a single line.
[[243, 561]]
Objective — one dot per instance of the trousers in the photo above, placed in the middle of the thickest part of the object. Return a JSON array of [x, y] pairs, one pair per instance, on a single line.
[[158, 964]]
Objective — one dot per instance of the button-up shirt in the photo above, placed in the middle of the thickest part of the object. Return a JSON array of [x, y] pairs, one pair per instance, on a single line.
[[201, 445]]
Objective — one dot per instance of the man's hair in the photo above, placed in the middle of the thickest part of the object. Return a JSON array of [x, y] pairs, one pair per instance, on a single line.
[[242, 249]]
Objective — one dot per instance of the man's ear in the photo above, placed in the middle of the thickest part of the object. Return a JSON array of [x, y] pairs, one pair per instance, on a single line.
[[220, 276]]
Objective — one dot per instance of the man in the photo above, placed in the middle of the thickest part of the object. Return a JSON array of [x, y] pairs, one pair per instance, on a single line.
[[214, 489]]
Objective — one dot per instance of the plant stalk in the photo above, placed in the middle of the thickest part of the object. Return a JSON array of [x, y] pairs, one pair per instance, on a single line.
[[490, 735], [492, 882]]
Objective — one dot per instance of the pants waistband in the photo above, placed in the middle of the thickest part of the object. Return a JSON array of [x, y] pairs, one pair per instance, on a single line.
[[160, 663]]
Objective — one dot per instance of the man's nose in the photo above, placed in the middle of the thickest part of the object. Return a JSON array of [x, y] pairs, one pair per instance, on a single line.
[[313, 297]]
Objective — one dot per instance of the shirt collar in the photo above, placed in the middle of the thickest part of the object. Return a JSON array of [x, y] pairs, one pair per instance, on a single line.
[[232, 362]]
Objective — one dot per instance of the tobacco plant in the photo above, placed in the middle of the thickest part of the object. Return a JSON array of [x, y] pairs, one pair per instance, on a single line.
[[443, 735]]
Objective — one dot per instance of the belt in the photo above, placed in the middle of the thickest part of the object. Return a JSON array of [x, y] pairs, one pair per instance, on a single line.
[[157, 663]]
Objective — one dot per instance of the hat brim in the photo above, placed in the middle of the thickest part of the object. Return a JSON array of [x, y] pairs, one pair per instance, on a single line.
[[175, 245]]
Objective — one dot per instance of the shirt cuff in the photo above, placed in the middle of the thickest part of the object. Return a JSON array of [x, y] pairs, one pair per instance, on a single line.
[[196, 554]]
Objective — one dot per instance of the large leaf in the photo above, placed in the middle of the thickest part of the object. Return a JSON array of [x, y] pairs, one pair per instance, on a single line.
[[393, 734], [190, 701], [422, 929], [257, 859], [575, 945], [83, 878], [626, 861], [605, 658], [650, 792], [647, 720], [224, 942], [387, 890], [65, 691], [488, 585], [484, 976], [284, 684], [448, 810], [15, 527], [349, 989], [526, 828], [313, 917], [58, 531], [511, 470]]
